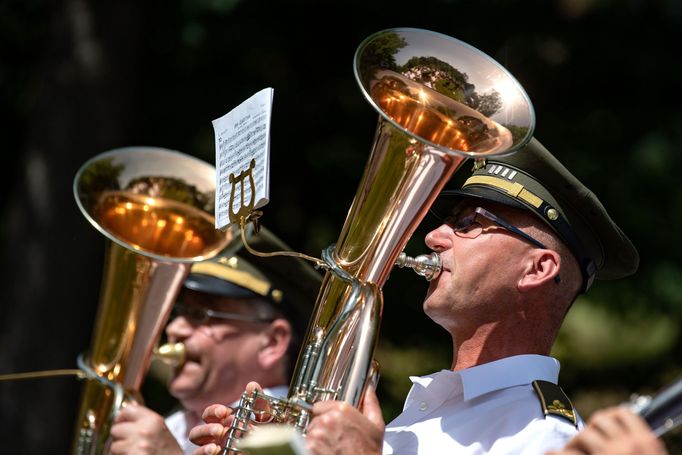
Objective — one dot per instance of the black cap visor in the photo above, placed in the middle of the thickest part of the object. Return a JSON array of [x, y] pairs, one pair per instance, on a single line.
[[217, 286], [447, 200]]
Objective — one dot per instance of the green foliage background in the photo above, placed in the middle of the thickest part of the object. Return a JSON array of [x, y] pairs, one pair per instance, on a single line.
[[78, 78]]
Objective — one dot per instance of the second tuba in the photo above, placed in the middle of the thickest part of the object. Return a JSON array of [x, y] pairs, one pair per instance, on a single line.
[[155, 207], [440, 102]]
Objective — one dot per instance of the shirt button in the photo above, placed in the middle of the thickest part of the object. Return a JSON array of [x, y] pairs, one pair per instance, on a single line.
[[423, 406]]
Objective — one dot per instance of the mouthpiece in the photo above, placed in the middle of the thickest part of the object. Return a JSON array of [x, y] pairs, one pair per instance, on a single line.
[[426, 265], [172, 354]]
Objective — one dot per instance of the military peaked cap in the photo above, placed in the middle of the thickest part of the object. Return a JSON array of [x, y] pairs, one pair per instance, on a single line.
[[290, 284], [534, 180]]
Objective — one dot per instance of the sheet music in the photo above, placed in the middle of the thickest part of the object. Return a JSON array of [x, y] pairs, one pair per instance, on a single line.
[[243, 135]]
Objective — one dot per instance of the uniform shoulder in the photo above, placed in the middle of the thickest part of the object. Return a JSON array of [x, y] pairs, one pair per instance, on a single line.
[[554, 402]]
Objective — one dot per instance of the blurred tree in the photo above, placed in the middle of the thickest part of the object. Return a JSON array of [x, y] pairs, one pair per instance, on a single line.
[[78, 78]]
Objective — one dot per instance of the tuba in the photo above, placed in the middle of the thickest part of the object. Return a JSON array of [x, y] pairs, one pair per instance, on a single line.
[[440, 102], [155, 207]]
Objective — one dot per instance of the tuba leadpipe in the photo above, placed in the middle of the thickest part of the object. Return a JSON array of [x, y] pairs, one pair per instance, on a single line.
[[155, 208], [440, 102]]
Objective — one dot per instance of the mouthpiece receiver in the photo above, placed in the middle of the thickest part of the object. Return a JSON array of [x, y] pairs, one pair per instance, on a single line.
[[427, 265]]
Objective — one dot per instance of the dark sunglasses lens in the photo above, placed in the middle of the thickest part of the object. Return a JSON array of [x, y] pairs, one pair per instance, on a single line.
[[463, 224], [190, 312]]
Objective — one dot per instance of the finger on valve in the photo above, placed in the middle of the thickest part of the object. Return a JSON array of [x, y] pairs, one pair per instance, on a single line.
[[217, 419], [262, 411]]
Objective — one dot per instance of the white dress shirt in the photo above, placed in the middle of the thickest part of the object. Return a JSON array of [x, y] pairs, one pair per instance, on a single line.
[[487, 409], [181, 422]]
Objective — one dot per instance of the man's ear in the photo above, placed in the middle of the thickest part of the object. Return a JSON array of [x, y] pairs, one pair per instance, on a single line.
[[542, 266], [274, 343]]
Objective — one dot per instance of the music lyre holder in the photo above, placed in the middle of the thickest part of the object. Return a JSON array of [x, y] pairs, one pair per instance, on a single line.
[[246, 213]]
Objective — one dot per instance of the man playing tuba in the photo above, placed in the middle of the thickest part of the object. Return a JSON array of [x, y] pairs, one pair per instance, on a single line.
[[239, 319], [519, 241]]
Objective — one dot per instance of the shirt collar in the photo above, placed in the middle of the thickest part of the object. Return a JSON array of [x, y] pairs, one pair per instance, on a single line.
[[488, 377], [508, 372]]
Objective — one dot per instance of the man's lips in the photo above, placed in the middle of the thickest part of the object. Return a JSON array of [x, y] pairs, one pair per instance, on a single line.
[[191, 363], [192, 357]]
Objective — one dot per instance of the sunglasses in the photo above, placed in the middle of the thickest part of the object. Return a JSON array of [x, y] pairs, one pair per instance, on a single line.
[[201, 315], [469, 227]]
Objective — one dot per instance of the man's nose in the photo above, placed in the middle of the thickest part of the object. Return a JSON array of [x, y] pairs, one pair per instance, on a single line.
[[178, 329], [439, 239]]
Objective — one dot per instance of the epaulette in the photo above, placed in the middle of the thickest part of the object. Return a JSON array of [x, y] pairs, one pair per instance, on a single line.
[[554, 401]]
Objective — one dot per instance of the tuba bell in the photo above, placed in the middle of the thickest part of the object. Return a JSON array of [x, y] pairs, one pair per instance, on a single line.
[[155, 208], [440, 102]]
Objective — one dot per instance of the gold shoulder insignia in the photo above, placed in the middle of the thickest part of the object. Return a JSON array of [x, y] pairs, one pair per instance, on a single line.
[[554, 401]]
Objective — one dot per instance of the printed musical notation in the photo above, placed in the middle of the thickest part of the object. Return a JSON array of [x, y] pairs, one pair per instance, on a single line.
[[242, 141]]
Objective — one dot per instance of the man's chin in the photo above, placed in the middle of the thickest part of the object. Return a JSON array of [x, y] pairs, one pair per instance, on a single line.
[[184, 396], [182, 387]]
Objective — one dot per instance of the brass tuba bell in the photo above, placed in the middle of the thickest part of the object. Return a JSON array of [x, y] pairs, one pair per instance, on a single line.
[[440, 102], [155, 207]]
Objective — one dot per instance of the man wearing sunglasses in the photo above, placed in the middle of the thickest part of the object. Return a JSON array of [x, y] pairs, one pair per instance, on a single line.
[[239, 319], [519, 241]]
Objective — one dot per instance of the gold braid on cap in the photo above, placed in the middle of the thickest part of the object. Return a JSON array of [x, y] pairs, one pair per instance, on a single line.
[[226, 271], [513, 189]]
